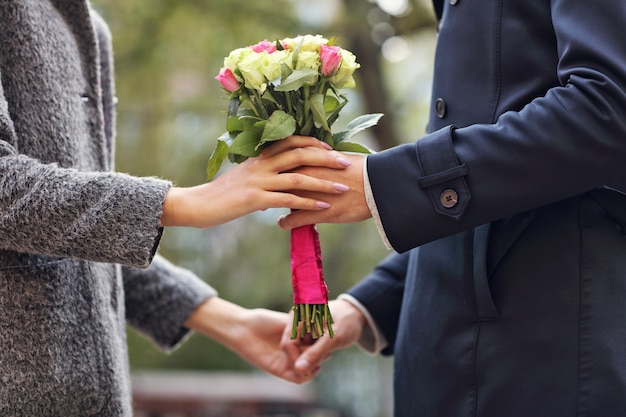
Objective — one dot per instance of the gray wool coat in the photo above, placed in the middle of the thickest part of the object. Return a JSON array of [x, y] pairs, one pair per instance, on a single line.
[[77, 240]]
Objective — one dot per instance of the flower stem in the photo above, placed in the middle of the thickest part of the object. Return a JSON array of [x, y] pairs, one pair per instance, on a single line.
[[311, 319], [259, 104]]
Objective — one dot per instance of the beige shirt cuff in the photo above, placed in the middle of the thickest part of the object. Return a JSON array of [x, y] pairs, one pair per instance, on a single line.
[[372, 340], [371, 203]]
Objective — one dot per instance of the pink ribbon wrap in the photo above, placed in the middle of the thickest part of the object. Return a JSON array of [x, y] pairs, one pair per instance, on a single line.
[[307, 274]]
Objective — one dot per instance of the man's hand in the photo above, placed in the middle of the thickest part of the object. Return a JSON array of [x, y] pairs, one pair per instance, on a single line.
[[347, 207], [308, 356]]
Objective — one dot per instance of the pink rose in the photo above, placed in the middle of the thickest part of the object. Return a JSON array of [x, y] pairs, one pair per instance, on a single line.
[[331, 58], [227, 79], [265, 45]]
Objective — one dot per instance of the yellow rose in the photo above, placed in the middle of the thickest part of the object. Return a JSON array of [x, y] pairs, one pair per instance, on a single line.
[[271, 64], [235, 57], [309, 60], [310, 43], [251, 70]]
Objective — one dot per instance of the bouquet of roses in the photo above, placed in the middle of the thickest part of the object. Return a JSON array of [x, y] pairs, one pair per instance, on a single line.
[[278, 89]]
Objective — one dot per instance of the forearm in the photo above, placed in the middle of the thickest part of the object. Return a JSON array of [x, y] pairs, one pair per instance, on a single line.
[[219, 320]]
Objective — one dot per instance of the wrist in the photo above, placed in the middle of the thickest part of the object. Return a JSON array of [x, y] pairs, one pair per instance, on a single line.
[[171, 207], [217, 319]]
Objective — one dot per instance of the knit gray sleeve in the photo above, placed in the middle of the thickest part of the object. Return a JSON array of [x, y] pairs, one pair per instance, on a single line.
[[97, 216], [159, 300]]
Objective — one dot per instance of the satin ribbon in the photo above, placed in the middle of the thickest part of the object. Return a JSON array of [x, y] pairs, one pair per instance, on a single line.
[[307, 274]]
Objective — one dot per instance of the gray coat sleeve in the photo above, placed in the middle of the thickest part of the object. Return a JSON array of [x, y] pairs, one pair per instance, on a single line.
[[96, 216], [159, 300]]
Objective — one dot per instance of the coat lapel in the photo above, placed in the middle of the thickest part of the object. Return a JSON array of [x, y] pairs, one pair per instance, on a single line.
[[77, 14]]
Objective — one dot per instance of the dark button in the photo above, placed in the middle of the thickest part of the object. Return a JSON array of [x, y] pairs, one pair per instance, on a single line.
[[449, 198], [453, 2], [440, 108]]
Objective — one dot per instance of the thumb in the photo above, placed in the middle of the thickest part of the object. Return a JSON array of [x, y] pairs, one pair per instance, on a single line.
[[296, 218], [311, 359]]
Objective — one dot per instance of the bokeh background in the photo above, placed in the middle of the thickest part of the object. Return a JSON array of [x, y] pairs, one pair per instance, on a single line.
[[171, 110]]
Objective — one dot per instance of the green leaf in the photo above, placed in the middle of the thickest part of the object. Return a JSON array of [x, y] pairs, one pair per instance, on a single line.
[[246, 112], [316, 102], [249, 122], [236, 159], [352, 147], [234, 124], [307, 128], [330, 103], [233, 106], [297, 79], [228, 137], [363, 122], [216, 159], [279, 125], [246, 143], [328, 138], [332, 117], [357, 125], [285, 72]]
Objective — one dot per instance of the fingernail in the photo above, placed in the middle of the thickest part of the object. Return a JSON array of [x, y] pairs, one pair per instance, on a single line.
[[340, 187], [302, 363], [344, 162], [280, 219], [322, 205], [326, 145]]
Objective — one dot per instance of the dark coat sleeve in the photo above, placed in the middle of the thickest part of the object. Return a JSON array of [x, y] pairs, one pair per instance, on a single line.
[[558, 142], [381, 293]]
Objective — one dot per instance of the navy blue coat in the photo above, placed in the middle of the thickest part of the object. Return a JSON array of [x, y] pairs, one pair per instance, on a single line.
[[507, 294]]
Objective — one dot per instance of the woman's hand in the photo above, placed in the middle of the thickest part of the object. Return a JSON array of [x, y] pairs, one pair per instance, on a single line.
[[253, 334], [257, 184]]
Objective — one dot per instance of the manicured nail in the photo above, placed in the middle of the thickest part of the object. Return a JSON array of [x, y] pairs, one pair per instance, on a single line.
[[340, 187], [322, 205], [326, 145], [344, 162]]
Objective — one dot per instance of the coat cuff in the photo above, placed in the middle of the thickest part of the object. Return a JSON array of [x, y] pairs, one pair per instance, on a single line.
[[442, 176], [420, 190]]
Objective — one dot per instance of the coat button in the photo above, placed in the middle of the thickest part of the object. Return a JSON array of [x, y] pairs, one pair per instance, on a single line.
[[440, 107], [449, 198], [453, 2]]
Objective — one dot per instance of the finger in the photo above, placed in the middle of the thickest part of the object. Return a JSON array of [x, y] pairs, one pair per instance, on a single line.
[[295, 377], [294, 202], [292, 349], [312, 358], [309, 156], [293, 142], [296, 181], [298, 218]]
